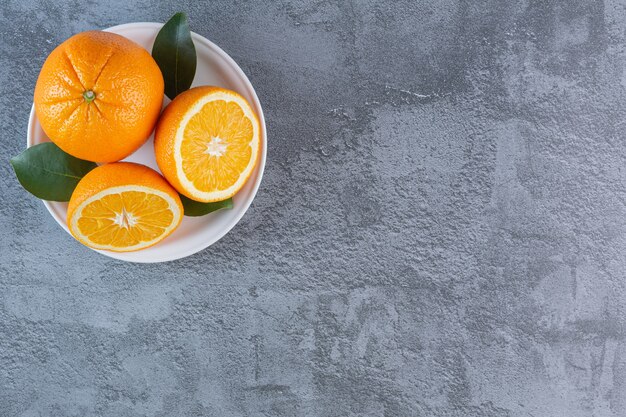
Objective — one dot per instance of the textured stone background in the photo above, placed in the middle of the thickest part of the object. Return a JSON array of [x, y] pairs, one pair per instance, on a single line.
[[440, 231]]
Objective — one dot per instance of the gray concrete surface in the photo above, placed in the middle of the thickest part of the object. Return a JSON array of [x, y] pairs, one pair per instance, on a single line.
[[440, 231]]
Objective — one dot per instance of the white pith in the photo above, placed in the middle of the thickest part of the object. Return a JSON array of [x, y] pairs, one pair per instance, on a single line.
[[216, 147], [125, 219], [118, 190], [254, 145]]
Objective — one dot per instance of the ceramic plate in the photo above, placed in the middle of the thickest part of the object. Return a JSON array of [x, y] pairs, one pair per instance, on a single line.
[[214, 67]]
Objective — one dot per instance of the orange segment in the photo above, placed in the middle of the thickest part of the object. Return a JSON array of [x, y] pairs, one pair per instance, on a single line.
[[207, 143], [123, 207]]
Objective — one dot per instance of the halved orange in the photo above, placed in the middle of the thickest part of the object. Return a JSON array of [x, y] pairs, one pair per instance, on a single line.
[[207, 143], [123, 207]]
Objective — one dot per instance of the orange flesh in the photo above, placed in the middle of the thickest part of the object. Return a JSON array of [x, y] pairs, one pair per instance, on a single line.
[[216, 146], [125, 219]]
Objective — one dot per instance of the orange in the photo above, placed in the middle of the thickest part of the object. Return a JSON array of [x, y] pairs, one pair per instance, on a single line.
[[98, 96], [207, 143], [123, 207]]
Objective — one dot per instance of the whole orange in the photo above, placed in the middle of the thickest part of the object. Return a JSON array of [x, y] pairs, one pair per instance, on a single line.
[[98, 96]]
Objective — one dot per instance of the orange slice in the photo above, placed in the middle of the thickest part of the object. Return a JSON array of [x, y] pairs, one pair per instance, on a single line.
[[123, 207], [207, 143]]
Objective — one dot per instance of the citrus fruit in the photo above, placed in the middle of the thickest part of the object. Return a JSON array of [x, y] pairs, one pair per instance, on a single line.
[[98, 96], [123, 207], [207, 143]]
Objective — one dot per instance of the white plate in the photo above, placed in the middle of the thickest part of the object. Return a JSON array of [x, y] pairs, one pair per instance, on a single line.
[[214, 67]]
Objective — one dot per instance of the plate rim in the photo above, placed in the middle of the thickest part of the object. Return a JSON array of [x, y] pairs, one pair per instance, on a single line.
[[260, 165]]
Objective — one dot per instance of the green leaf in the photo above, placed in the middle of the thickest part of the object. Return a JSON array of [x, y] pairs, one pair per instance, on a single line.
[[48, 173], [175, 54], [195, 208]]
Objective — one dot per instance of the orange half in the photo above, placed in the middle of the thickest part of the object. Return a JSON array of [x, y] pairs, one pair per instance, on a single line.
[[123, 207], [207, 143]]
